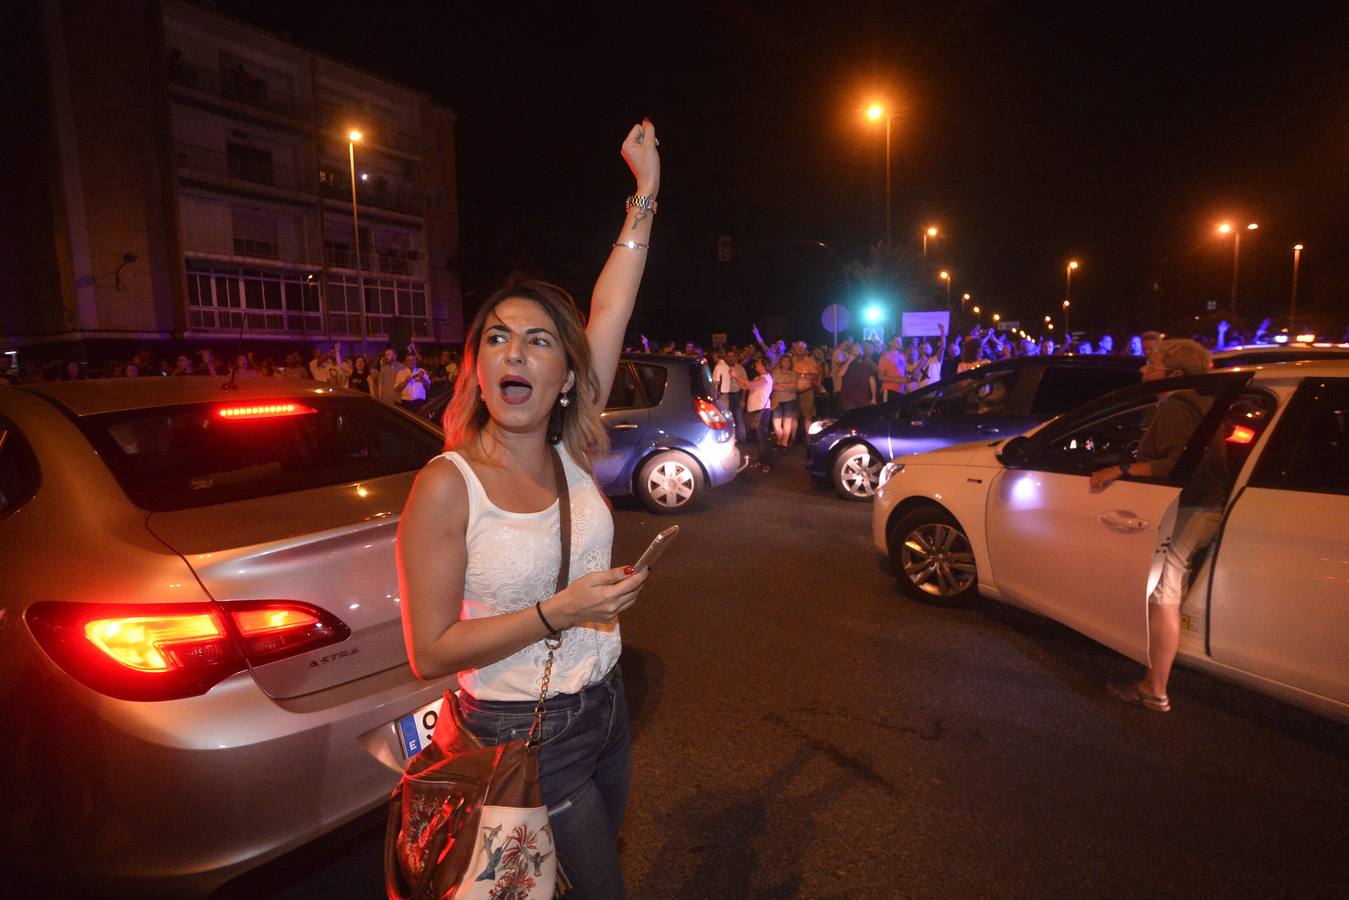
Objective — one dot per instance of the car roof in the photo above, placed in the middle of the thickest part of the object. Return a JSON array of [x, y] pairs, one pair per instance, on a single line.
[[105, 395], [1301, 368], [1090, 361]]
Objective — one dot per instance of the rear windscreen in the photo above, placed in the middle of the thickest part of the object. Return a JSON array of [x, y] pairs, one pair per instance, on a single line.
[[179, 457]]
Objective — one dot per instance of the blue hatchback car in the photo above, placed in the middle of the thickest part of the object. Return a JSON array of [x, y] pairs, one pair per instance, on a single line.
[[993, 401], [668, 438]]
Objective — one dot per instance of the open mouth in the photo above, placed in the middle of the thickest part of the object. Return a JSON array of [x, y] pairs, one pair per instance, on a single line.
[[515, 389]]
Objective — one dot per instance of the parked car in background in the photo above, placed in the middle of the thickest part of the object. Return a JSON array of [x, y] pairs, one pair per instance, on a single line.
[[997, 400], [1263, 354], [203, 653], [1016, 521], [668, 438]]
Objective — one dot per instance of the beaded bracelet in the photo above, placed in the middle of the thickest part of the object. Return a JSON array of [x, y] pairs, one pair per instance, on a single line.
[[632, 245]]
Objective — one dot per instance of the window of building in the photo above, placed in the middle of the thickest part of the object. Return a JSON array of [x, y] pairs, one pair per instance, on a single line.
[[233, 300], [386, 299], [250, 163]]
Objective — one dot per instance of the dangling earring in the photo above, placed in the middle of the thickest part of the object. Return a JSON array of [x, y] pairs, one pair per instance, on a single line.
[[564, 400]]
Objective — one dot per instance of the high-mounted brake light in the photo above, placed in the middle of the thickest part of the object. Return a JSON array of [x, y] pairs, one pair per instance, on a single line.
[[170, 651], [263, 411], [1241, 435], [708, 412]]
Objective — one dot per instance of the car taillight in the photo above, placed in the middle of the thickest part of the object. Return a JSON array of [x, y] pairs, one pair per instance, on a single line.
[[170, 651], [239, 412], [272, 629], [708, 412], [1241, 435]]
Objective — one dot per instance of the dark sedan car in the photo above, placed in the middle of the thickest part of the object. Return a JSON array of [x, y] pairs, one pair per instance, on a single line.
[[668, 439], [993, 401]]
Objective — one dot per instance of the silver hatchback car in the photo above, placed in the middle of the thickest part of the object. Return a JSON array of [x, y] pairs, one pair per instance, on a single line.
[[202, 653]]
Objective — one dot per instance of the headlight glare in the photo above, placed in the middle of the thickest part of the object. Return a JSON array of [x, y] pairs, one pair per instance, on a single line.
[[820, 425], [888, 471]]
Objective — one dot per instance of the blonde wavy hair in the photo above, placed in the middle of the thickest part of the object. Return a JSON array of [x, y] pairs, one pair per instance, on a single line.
[[577, 426]]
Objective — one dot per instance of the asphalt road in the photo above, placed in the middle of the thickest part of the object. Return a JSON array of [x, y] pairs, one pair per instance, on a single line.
[[802, 730]]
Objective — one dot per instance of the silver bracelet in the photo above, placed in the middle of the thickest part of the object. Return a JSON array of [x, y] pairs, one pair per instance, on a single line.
[[632, 245], [641, 201]]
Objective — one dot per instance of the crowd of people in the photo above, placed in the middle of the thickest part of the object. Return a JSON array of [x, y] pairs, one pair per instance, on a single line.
[[775, 391], [409, 381]]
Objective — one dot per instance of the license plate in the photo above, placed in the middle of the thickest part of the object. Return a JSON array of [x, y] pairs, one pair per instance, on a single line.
[[414, 730]]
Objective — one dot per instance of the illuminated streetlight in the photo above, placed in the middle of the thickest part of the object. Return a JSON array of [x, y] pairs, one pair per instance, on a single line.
[[946, 277], [876, 112], [1292, 303], [931, 232], [354, 136], [1224, 229], [1067, 331]]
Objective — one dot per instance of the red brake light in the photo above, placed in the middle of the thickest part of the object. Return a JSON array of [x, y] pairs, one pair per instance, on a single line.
[[272, 629], [170, 651], [237, 412], [1241, 435], [708, 412]]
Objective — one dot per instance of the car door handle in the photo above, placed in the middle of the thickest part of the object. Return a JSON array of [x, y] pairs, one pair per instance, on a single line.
[[625, 426], [988, 429], [1118, 518]]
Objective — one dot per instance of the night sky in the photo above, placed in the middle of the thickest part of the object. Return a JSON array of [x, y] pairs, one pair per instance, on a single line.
[[1031, 133]]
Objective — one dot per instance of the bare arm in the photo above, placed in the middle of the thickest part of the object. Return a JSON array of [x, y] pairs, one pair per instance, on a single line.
[[616, 289], [432, 557]]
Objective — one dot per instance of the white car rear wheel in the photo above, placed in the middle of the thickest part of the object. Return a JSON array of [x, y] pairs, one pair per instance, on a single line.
[[669, 482]]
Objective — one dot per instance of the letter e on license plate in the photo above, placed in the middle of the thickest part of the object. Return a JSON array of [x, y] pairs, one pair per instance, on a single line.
[[414, 731]]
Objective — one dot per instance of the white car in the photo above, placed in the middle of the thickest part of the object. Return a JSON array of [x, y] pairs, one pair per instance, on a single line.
[[1016, 521]]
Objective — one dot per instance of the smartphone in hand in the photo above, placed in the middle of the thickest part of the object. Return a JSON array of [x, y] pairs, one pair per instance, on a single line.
[[656, 548]]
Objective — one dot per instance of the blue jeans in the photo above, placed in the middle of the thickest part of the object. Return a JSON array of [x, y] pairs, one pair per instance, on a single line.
[[732, 402], [583, 770]]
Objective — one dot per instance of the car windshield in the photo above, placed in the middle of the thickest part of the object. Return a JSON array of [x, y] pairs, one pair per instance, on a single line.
[[181, 457]]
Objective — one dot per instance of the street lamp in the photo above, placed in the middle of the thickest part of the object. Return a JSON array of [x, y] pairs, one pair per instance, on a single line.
[[353, 138], [946, 277], [876, 112], [1292, 303], [1067, 332], [1226, 228], [1072, 266], [976, 313], [931, 232], [996, 319]]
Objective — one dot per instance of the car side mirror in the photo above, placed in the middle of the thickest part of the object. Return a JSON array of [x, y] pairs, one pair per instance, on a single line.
[[1015, 453]]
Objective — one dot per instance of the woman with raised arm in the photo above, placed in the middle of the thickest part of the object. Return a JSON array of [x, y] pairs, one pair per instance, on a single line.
[[479, 547]]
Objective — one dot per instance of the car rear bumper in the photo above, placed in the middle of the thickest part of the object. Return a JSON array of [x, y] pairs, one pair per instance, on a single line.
[[177, 797], [721, 459]]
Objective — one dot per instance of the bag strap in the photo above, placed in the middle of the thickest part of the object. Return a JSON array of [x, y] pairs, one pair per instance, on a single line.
[[563, 579]]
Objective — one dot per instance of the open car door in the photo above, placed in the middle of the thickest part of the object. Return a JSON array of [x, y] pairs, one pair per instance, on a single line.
[[1089, 559]]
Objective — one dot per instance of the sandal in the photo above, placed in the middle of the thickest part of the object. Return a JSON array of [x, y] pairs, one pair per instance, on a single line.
[[1131, 694]]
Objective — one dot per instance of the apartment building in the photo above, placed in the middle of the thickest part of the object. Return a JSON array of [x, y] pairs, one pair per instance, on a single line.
[[201, 188]]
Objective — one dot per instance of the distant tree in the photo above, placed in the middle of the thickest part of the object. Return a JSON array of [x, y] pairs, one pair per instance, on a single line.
[[900, 275]]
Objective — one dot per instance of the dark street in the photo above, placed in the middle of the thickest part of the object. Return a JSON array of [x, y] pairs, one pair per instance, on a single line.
[[802, 730]]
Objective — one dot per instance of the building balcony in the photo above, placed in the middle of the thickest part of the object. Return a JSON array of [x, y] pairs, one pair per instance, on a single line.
[[379, 193], [237, 87], [387, 262], [338, 120], [243, 171]]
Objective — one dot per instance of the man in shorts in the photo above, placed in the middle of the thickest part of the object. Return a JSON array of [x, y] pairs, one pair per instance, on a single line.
[[808, 377], [1178, 415]]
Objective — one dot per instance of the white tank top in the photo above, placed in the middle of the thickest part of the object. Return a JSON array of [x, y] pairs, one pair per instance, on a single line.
[[512, 564]]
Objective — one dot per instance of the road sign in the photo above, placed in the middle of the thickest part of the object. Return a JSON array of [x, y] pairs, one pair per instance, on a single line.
[[924, 324], [1008, 326], [873, 334], [835, 318]]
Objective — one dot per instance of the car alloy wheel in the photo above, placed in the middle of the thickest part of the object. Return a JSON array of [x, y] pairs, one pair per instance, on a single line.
[[857, 473], [668, 482], [932, 558]]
